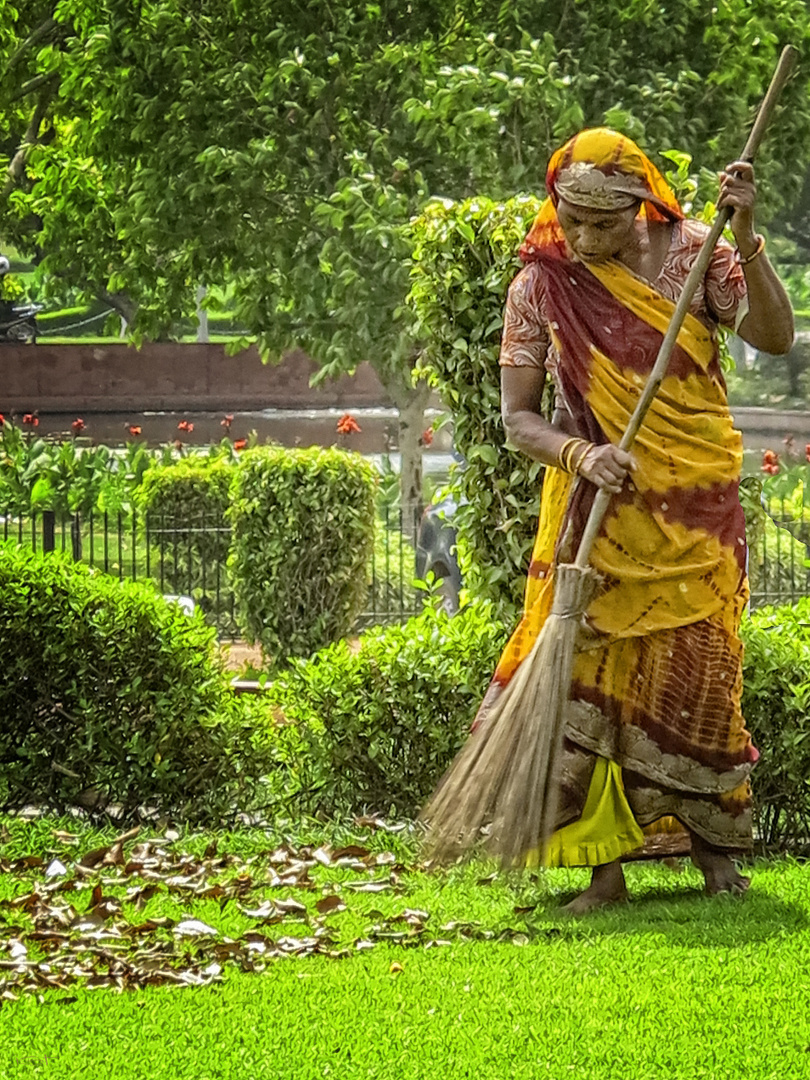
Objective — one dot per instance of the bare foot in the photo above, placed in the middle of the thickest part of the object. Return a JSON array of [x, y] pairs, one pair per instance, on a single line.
[[717, 868], [607, 887]]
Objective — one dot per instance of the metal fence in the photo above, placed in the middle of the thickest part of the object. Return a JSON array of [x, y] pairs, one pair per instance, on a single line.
[[191, 559]]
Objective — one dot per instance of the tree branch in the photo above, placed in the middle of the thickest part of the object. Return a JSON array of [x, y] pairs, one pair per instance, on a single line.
[[34, 84], [16, 168], [41, 32]]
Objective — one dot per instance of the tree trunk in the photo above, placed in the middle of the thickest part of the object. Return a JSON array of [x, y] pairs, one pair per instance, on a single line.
[[411, 403], [121, 303]]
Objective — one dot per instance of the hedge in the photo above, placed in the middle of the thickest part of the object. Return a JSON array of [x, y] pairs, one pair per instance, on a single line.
[[111, 695], [186, 504], [776, 707], [465, 255], [375, 727], [302, 535]]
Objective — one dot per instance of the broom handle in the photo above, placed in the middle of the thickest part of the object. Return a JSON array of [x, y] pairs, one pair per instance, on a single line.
[[600, 504]]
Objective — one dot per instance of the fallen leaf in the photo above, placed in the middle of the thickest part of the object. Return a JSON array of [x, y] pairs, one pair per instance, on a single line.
[[368, 886], [330, 904], [353, 851], [193, 928]]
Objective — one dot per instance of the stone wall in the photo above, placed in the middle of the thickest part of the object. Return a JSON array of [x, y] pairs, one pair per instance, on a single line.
[[81, 379]]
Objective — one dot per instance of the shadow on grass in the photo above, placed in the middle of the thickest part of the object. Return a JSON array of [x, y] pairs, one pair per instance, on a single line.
[[684, 915]]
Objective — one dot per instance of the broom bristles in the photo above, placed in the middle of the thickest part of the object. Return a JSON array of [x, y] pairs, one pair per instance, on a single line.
[[505, 775]]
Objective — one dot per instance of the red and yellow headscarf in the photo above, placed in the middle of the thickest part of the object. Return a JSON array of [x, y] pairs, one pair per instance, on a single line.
[[615, 163]]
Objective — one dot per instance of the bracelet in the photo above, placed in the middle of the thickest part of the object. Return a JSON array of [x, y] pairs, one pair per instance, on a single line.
[[586, 449], [572, 453], [565, 451], [757, 251]]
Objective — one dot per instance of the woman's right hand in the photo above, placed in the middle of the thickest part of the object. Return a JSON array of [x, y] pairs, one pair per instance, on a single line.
[[607, 466]]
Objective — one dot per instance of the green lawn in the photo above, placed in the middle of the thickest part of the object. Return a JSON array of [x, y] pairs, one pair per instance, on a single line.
[[482, 979]]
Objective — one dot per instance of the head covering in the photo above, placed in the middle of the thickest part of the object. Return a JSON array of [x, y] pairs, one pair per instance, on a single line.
[[604, 170]]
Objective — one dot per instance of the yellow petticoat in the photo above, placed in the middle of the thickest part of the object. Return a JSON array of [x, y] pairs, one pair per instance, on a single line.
[[606, 831]]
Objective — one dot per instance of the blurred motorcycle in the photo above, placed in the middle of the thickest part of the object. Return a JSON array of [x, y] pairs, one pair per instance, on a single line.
[[18, 324]]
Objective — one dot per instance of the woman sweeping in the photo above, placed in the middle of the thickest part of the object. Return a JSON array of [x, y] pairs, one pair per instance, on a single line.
[[656, 755]]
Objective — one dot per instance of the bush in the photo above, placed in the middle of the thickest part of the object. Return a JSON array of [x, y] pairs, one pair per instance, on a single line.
[[302, 534], [375, 726], [186, 506], [465, 255], [776, 707], [66, 477], [110, 695]]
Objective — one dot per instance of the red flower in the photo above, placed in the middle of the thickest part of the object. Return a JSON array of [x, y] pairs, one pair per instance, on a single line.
[[226, 423], [2, 419], [427, 437], [31, 420], [184, 425], [240, 444], [78, 425], [347, 425], [133, 429], [807, 451]]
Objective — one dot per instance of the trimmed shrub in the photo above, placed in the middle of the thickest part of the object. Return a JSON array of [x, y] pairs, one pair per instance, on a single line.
[[776, 707], [375, 726], [302, 534], [465, 255], [110, 695], [186, 504]]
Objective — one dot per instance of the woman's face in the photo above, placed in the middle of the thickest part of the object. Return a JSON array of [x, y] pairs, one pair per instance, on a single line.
[[596, 235]]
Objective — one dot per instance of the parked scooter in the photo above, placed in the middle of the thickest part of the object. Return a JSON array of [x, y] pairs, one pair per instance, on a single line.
[[18, 324]]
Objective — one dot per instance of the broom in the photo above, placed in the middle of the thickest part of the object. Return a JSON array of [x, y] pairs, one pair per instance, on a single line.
[[505, 776]]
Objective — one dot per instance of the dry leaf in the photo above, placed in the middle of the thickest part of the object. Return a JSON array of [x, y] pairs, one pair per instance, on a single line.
[[330, 904]]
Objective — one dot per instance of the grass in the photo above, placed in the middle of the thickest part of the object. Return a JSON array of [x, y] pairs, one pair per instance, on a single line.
[[674, 986]]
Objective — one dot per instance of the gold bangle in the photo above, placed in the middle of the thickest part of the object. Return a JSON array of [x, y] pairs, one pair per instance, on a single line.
[[572, 450], [586, 449], [563, 452], [757, 251]]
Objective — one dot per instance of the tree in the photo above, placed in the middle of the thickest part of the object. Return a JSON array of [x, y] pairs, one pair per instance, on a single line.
[[281, 147]]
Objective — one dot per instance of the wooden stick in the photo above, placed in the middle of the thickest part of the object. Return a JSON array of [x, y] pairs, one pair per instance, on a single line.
[[783, 71]]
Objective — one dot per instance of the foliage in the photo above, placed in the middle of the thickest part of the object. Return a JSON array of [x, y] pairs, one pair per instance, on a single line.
[[776, 707], [110, 696], [186, 505], [375, 726], [786, 491], [306, 147], [303, 147], [66, 477], [778, 567], [464, 259], [302, 530]]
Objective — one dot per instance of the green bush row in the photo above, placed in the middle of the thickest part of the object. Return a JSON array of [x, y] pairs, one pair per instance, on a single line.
[[111, 695], [376, 726], [295, 527]]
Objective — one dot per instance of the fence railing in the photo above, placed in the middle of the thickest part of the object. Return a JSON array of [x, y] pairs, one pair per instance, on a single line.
[[190, 559]]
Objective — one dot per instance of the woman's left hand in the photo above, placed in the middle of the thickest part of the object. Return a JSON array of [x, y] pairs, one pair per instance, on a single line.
[[738, 190]]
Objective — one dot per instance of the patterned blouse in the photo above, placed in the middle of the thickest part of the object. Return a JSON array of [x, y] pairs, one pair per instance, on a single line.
[[720, 299]]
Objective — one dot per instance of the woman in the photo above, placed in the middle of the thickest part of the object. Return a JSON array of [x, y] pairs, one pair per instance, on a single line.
[[656, 753]]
